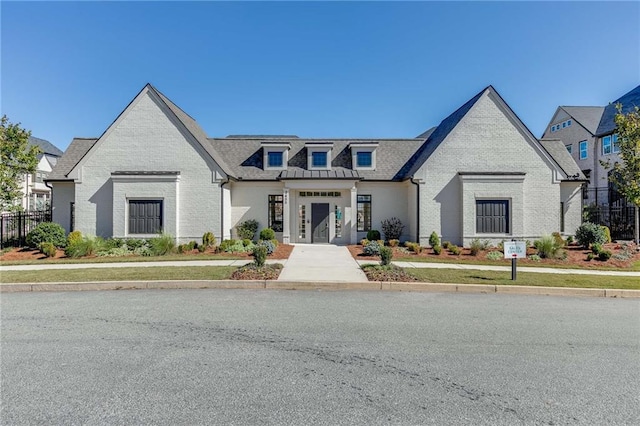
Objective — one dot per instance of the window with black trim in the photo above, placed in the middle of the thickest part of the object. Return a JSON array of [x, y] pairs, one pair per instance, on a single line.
[[275, 212], [492, 216], [145, 216], [364, 212]]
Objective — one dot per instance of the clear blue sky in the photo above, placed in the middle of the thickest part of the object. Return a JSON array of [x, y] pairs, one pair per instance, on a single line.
[[337, 69]]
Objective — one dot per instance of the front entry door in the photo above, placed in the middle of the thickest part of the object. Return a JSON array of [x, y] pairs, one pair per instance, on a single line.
[[320, 222]]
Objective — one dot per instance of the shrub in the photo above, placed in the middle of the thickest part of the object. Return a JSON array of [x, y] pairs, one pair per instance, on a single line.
[[607, 234], [494, 255], [364, 242], [74, 237], [274, 242], [547, 247], [392, 228], [454, 249], [246, 242], [267, 234], [192, 245], [135, 243], [590, 257], [373, 235], [110, 243], [501, 246], [202, 248], [434, 240], [604, 255], [386, 254], [417, 248], [589, 233], [48, 249], [269, 246], [437, 249], [446, 244], [394, 243], [570, 239], [476, 247], [47, 232], [247, 229], [208, 240], [88, 246], [557, 238], [114, 251], [596, 248], [372, 249], [534, 257], [259, 254], [225, 244], [408, 244], [162, 245]]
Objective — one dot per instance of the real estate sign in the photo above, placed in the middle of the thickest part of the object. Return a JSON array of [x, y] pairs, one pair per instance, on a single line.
[[515, 250]]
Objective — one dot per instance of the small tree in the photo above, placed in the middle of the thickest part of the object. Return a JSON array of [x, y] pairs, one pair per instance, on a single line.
[[626, 174], [16, 160]]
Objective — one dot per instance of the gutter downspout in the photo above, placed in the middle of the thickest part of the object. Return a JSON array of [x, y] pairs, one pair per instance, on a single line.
[[222, 208], [417, 209], [46, 183]]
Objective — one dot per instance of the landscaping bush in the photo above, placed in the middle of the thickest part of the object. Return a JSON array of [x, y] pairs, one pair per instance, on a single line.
[[590, 257], [547, 247], [74, 237], [394, 243], [246, 242], [88, 246], [494, 255], [372, 249], [434, 240], [604, 255], [477, 246], [48, 249], [226, 244], [202, 248], [437, 250], [247, 229], [596, 248], [386, 254], [267, 234], [392, 228], [607, 234], [274, 242], [446, 244], [47, 232], [110, 243], [114, 252], [208, 240], [570, 240], [135, 243], [534, 257], [192, 245], [269, 246], [454, 249], [373, 235], [589, 233], [557, 238], [364, 242], [259, 254], [162, 245]]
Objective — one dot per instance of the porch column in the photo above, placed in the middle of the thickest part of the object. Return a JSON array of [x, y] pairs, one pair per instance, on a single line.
[[354, 215], [286, 214]]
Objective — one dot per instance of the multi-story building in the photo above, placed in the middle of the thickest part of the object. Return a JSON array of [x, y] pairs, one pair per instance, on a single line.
[[35, 194], [589, 134]]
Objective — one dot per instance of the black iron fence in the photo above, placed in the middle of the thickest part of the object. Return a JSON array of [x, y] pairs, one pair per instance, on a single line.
[[606, 206], [14, 227]]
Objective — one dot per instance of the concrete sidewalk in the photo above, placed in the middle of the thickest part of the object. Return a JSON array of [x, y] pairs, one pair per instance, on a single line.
[[321, 263], [229, 262]]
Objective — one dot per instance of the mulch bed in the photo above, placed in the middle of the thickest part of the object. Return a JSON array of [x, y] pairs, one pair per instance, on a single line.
[[387, 273], [253, 272]]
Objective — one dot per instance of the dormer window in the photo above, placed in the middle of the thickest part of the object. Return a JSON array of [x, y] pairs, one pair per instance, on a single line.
[[276, 155], [363, 155], [319, 155]]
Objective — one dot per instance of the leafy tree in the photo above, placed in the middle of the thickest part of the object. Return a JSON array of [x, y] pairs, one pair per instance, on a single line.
[[17, 158], [626, 173]]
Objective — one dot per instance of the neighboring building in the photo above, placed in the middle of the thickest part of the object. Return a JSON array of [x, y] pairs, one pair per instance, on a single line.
[[479, 174], [35, 194], [589, 133]]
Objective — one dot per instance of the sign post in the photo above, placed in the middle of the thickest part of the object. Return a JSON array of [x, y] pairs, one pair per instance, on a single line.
[[513, 250]]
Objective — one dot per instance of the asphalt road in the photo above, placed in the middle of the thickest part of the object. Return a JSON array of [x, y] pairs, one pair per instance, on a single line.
[[309, 357]]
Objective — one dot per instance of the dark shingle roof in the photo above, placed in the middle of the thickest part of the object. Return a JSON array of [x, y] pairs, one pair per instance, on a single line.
[[74, 153], [587, 116], [559, 153], [629, 102], [246, 156], [46, 146]]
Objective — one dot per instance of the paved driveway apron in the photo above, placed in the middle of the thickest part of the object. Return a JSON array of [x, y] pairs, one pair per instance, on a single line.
[[321, 262]]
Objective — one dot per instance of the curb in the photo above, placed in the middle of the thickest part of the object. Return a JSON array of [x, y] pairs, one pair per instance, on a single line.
[[318, 285]]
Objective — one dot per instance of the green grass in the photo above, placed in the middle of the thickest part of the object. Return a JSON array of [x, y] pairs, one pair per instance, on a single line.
[[467, 260], [523, 278], [151, 273], [126, 259]]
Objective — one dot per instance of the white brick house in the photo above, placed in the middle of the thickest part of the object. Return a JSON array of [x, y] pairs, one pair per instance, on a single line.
[[479, 174]]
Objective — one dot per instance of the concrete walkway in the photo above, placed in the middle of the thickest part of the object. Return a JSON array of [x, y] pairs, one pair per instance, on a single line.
[[321, 262], [229, 262]]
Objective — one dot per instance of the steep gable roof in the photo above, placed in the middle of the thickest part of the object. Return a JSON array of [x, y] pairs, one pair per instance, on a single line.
[[557, 150], [629, 101], [74, 153], [587, 116], [47, 147]]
